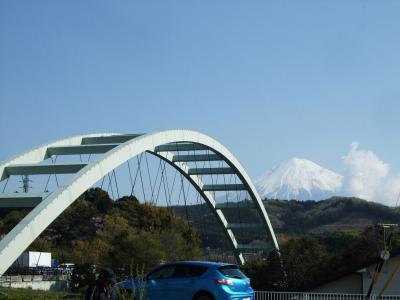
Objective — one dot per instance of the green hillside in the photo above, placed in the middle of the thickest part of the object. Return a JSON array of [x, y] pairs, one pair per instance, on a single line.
[[321, 217], [294, 218]]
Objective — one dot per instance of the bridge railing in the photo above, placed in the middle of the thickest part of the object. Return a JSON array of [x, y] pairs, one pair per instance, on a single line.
[[265, 295]]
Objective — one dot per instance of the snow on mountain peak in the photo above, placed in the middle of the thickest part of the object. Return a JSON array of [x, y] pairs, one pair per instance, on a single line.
[[299, 179]]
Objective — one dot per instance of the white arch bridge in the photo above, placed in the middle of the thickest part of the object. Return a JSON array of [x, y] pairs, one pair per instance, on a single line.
[[182, 149]]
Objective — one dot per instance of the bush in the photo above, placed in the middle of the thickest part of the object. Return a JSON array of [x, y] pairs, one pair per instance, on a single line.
[[82, 277]]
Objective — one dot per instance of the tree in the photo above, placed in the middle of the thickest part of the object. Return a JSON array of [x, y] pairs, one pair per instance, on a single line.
[[82, 276], [267, 274], [306, 262]]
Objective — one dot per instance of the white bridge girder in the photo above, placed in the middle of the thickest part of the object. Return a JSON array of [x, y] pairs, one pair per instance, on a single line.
[[118, 149]]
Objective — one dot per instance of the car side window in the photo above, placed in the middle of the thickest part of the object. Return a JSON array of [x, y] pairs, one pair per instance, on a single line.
[[196, 271], [162, 273], [181, 271]]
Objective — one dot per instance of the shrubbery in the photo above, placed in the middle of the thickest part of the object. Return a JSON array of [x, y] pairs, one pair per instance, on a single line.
[[95, 230]]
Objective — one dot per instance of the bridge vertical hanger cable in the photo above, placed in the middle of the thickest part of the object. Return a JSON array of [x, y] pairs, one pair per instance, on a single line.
[[163, 184], [184, 199], [116, 184], [155, 181], [187, 200], [159, 170], [48, 178], [166, 192], [134, 181], [148, 173], [170, 187], [47, 182], [159, 186], [170, 191], [179, 196], [173, 184], [110, 186], [130, 176], [187, 189], [163, 181], [55, 160], [141, 177]]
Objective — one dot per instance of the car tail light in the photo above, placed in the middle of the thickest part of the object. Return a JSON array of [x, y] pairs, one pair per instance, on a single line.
[[223, 281]]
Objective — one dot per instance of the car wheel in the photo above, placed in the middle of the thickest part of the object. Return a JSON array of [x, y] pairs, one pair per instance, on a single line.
[[204, 297]]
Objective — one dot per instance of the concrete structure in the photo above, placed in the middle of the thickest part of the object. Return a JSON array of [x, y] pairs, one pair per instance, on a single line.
[[36, 282], [359, 281], [116, 149]]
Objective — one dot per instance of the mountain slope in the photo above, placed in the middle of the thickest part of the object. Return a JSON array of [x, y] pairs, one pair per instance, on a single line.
[[297, 217], [322, 217], [299, 179]]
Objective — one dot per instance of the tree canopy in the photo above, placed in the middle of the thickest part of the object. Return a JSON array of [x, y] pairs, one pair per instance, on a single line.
[[96, 230]]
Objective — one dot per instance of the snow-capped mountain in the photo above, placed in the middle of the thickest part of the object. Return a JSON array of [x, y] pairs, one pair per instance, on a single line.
[[299, 179]]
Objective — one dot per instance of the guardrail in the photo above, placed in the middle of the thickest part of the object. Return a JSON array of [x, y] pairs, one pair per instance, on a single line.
[[264, 295], [9, 279], [15, 271]]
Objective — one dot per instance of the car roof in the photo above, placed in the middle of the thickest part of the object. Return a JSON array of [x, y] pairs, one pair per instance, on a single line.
[[202, 263]]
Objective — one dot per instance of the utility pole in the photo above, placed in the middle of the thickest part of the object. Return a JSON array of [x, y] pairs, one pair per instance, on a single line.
[[384, 256]]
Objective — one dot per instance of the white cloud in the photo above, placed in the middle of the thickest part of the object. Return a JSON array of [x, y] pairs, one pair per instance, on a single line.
[[368, 177], [389, 193]]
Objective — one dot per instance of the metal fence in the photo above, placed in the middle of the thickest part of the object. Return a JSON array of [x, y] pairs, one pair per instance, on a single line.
[[263, 295]]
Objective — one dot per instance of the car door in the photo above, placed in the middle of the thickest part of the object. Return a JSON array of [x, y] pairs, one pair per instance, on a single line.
[[157, 283], [181, 285]]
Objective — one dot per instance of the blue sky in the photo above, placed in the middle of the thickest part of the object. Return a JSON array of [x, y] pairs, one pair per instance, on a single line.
[[269, 79]]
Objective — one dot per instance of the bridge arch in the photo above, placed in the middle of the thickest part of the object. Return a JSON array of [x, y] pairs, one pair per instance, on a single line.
[[117, 149]]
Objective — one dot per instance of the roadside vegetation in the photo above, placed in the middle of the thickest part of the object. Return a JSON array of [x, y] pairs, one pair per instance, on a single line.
[[25, 294], [320, 241]]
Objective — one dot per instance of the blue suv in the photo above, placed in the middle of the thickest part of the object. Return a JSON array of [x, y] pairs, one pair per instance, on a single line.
[[193, 281]]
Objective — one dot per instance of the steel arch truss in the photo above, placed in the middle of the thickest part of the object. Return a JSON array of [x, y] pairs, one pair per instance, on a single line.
[[117, 149]]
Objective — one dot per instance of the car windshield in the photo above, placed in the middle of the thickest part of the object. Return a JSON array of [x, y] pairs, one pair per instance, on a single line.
[[231, 271]]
